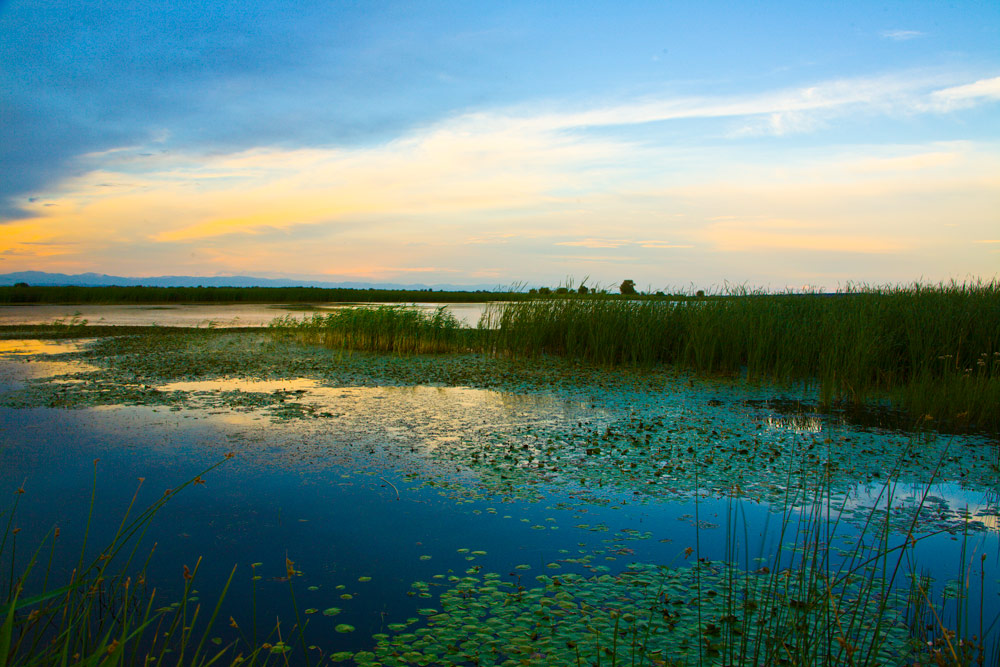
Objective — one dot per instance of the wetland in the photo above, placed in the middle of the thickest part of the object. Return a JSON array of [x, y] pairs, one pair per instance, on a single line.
[[472, 508]]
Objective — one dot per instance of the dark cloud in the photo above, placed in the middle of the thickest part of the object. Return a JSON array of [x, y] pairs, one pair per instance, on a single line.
[[78, 78]]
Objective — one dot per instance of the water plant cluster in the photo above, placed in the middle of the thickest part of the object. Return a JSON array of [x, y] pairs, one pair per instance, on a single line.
[[394, 329]]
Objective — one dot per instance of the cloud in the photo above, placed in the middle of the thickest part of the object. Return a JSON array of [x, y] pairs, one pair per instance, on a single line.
[[786, 235], [901, 35], [784, 109], [595, 243], [619, 243], [662, 244], [967, 95], [502, 188], [216, 77], [600, 259], [910, 162]]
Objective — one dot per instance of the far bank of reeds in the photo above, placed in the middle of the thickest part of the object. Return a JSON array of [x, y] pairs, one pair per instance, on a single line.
[[146, 294], [934, 350]]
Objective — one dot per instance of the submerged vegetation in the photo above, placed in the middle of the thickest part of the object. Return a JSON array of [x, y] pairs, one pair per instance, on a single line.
[[933, 350]]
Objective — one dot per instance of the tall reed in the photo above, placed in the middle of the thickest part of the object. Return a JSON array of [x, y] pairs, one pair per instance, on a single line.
[[935, 349], [106, 613], [394, 329]]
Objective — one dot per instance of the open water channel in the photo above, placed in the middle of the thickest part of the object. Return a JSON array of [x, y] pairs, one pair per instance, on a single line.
[[457, 510]]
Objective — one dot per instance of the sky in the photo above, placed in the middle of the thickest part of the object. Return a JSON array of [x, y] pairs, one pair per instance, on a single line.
[[683, 145]]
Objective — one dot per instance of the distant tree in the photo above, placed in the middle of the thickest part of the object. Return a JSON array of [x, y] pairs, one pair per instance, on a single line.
[[532, 291], [544, 290], [582, 289], [21, 285], [562, 290], [627, 287], [700, 294]]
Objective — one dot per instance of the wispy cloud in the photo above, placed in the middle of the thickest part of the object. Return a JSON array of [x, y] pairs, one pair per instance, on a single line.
[[901, 35], [620, 243], [967, 95], [910, 162], [662, 244], [784, 111], [785, 235], [595, 243]]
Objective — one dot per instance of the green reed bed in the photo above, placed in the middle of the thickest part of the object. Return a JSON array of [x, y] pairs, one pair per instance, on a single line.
[[393, 329], [933, 349]]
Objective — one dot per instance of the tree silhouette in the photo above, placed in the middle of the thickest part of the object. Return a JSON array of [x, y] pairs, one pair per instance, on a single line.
[[627, 287]]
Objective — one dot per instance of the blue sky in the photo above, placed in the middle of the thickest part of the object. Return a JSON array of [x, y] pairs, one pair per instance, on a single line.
[[677, 144]]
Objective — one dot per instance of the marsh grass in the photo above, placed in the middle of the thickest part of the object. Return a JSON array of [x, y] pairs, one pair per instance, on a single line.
[[390, 329], [935, 350], [106, 613]]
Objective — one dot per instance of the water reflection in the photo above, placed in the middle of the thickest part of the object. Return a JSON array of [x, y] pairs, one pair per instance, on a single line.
[[23, 347], [197, 315], [37, 359]]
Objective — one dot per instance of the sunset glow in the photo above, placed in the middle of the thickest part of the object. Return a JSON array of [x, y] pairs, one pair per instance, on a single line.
[[472, 151]]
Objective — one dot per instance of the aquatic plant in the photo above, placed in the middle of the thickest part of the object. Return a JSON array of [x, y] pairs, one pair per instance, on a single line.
[[932, 349], [393, 329], [106, 613], [810, 602]]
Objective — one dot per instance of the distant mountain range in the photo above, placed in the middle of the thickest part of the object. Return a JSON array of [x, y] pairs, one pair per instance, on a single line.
[[102, 280]]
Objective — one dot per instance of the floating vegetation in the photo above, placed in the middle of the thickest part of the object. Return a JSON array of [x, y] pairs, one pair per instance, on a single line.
[[711, 613]]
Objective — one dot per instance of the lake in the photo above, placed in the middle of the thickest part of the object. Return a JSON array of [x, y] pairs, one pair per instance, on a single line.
[[466, 510]]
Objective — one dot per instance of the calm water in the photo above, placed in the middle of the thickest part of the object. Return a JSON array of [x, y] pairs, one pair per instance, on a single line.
[[193, 315], [393, 484]]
